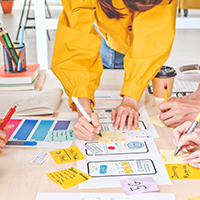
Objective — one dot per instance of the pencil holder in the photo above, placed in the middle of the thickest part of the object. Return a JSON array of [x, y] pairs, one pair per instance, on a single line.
[[14, 58]]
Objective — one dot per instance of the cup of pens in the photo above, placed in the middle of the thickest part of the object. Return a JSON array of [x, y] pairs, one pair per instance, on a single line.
[[14, 58]]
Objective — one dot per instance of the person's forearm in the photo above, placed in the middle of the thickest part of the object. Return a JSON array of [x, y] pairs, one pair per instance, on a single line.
[[86, 103]]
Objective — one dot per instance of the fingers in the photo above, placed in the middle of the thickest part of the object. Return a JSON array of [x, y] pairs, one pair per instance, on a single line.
[[86, 131], [113, 115], [3, 139], [8, 127], [164, 106], [192, 159], [179, 131]]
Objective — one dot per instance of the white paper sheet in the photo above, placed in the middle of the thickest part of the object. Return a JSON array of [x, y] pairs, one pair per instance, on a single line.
[[102, 196], [108, 163]]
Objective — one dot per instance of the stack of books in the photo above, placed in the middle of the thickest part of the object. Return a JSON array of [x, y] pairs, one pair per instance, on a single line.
[[29, 80]]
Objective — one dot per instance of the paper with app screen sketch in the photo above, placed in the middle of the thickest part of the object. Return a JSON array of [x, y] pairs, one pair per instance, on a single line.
[[106, 163]]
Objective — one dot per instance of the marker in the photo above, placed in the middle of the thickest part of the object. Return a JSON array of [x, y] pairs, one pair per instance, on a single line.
[[20, 44], [166, 94], [84, 113], [192, 127], [25, 143], [7, 117]]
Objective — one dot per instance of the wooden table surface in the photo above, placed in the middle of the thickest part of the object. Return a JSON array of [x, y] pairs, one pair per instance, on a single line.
[[21, 180]]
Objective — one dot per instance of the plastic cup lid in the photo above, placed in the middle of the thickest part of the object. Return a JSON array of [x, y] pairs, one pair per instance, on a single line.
[[166, 72]]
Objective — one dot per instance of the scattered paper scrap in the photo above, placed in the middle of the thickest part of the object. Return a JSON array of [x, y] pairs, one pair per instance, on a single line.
[[40, 158], [195, 198], [168, 158], [156, 121], [180, 171], [61, 136], [67, 155], [68, 177], [110, 137], [138, 185]]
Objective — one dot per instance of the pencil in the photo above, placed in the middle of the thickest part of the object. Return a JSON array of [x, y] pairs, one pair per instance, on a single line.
[[166, 92], [192, 127]]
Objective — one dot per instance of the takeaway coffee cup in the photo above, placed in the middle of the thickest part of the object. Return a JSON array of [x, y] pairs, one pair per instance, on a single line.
[[165, 75]]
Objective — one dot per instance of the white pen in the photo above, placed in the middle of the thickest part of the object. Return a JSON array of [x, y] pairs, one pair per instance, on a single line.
[[82, 110]]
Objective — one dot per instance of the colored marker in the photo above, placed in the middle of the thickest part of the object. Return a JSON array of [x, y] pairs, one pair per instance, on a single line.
[[7, 117], [191, 129], [20, 44], [84, 113], [25, 143]]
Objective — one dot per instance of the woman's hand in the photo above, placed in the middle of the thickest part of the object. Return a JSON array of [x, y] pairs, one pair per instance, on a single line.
[[4, 135], [125, 114], [192, 159], [191, 141], [82, 128]]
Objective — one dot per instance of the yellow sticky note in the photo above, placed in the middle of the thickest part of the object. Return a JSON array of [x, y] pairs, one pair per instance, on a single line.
[[168, 158], [195, 198], [68, 177], [180, 171], [67, 155], [110, 137], [156, 120]]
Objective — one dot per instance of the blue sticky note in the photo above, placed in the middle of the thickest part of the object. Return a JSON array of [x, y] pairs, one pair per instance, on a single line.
[[61, 136]]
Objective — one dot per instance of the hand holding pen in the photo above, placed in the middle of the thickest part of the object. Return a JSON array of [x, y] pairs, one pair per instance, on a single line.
[[83, 129], [181, 130]]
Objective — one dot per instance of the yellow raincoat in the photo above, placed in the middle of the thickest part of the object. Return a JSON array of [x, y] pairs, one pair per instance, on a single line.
[[76, 60]]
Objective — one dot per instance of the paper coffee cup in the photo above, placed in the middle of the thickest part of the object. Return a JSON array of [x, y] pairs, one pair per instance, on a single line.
[[165, 75]]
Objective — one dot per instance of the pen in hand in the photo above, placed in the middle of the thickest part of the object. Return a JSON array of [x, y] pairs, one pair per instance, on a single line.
[[84, 113], [191, 129]]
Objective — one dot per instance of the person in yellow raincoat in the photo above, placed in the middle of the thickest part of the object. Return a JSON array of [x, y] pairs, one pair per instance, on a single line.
[[136, 35]]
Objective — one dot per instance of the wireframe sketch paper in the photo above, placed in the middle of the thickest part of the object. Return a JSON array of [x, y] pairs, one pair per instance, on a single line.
[[36, 103], [107, 163], [102, 196]]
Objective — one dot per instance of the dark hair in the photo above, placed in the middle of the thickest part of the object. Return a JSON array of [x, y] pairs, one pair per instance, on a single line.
[[132, 5]]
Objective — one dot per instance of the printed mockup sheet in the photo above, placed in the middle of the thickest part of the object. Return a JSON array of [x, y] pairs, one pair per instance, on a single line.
[[102, 196], [107, 163]]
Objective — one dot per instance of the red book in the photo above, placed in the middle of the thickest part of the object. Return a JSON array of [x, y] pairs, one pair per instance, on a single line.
[[25, 77]]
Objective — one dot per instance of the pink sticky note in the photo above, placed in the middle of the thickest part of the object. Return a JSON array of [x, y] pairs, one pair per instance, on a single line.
[[138, 185]]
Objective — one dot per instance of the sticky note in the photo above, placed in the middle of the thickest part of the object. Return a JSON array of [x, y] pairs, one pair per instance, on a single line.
[[168, 158], [110, 137], [195, 198], [68, 177], [138, 185], [156, 120], [181, 171], [67, 155], [61, 135]]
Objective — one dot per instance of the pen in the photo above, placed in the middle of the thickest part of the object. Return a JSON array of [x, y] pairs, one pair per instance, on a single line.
[[26, 143], [192, 127], [7, 117], [165, 89], [20, 44], [80, 107]]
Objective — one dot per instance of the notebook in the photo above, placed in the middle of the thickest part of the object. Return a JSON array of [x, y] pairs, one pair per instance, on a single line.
[[27, 76], [44, 102]]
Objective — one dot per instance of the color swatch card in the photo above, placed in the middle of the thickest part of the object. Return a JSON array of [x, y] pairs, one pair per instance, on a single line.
[[168, 158], [68, 177], [180, 171], [67, 155], [61, 136], [110, 137], [138, 185]]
